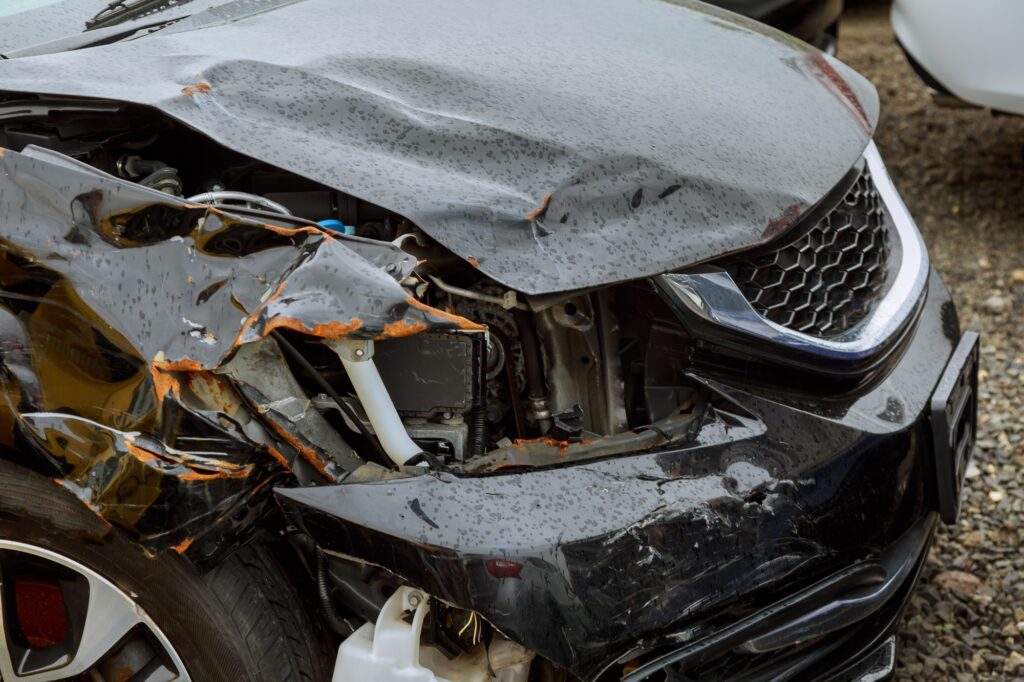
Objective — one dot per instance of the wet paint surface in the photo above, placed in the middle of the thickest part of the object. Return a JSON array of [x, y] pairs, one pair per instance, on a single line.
[[124, 314], [553, 153], [583, 563], [561, 146]]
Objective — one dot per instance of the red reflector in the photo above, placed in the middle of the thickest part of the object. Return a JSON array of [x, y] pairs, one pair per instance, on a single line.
[[41, 613], [503, 568]]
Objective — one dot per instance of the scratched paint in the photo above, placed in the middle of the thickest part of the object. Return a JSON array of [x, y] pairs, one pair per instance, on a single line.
[[644, 550], [102, 286]]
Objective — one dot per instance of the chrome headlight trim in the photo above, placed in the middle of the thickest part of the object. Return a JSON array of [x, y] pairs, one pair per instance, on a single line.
[[714, 297]]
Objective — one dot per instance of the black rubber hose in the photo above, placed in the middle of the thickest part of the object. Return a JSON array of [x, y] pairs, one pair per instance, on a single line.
[[478, 430], [530, 342], [536, 384], [334, 621], [326, 387], [478, 414]]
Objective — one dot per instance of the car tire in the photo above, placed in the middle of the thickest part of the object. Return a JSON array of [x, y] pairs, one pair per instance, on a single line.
[[241, 621]]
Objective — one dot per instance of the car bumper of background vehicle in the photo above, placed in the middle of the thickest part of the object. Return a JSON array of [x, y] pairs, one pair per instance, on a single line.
[[813, 21], [603, 561]]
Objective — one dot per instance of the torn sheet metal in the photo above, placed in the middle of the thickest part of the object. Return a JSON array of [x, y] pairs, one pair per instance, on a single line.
[[165, 495], [555, 146], [119, 309]]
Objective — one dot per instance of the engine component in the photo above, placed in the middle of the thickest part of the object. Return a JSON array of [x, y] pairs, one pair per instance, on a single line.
[[225, 197], [428, 374], [440, 377], [134, 166], [155, 174], [537, 390], [440, 439], [506, 371], [506, 301], [357, 358], [164, 180]]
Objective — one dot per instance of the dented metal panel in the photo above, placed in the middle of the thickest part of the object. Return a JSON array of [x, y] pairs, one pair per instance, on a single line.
[[122, 311], [587, 563], [555, 145]]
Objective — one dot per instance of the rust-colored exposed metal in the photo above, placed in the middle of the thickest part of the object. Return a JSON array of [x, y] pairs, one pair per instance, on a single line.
[[119, 308]]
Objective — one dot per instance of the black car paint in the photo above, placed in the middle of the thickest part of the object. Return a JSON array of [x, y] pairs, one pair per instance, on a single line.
[[554, 116], [609, 553], [513, 134], [129, 320]]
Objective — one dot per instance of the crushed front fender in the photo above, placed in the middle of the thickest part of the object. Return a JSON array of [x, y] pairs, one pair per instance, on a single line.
[[139, 368]]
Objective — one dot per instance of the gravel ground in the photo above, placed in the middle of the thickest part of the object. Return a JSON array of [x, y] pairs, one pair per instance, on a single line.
[[961, 173]]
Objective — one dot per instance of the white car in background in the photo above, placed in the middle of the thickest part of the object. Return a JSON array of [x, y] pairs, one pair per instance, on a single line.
[[967, 52]]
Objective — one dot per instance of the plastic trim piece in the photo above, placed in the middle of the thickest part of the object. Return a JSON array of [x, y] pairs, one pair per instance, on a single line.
[[849, 596], [954, 417], [388, 651], [713, 296]]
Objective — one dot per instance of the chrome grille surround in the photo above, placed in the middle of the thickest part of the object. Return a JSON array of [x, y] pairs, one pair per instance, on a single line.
[[711, 296], [828, 278]]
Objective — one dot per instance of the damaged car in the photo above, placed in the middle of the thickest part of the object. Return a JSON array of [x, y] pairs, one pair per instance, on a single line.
[[530, 342]]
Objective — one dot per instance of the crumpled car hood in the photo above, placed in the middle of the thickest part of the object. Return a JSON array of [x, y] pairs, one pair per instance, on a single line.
[[556, 146]]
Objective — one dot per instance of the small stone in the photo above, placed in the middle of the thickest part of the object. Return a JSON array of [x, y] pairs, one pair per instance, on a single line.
[[958, 581], [1013, 661], [996, 304], [996, 495], [1018, 275], [975, 538], [972, 470]]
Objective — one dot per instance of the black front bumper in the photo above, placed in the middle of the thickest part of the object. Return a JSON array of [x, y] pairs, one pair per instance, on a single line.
[[638, 556], [839, 628]]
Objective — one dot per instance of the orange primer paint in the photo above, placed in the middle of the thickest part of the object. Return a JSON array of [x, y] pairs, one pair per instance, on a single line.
[[395, 330], [458, 320], [540, 210], [183, 546], [193, 90]]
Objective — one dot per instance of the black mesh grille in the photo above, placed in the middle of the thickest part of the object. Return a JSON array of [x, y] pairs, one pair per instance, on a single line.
[[829, 279]]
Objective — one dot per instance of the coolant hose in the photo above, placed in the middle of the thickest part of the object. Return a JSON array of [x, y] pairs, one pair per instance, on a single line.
[[377, 403]]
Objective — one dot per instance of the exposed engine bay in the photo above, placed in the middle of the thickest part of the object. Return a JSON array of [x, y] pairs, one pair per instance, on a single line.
[[514, 382], [544, 378]]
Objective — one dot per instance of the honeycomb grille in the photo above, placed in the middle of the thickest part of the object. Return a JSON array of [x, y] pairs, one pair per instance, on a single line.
[[830, 278]]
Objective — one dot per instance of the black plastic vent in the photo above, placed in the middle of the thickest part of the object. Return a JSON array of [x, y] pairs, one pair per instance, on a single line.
[[828, 279]]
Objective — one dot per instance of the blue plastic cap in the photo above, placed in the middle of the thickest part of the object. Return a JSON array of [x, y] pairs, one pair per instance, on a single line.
[[336, 226]]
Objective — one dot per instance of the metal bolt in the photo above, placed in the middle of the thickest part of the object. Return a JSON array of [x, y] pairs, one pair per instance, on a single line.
[[415, 599], [360, 352]]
